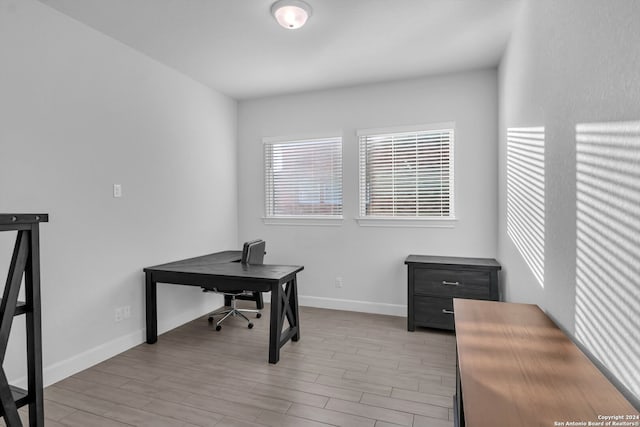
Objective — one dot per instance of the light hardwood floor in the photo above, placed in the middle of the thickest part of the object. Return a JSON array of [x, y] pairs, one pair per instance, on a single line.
[[348, 369]]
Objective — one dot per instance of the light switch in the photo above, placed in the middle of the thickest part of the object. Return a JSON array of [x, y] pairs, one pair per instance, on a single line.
[[117, 190]]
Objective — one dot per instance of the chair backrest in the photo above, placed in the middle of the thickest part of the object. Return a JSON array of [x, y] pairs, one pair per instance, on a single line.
[[253, 252]]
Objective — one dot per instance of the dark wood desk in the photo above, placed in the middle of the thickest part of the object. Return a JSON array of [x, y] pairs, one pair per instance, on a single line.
[[25, 264], [517, 368], [223, 271]]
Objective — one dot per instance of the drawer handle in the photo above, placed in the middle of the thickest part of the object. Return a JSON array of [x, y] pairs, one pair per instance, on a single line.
[[445, 311], [444, 282]]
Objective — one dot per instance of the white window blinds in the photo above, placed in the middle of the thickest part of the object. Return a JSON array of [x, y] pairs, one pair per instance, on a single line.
[[407, 174], [303, 178]]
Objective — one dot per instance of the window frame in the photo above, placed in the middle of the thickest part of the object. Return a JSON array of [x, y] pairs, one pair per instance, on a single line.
[[311, 219], [406, 221]]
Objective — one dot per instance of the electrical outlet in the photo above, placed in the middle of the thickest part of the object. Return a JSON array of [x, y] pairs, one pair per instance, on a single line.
[[117, 190], [126, 311], [119, 314], [339, 282]]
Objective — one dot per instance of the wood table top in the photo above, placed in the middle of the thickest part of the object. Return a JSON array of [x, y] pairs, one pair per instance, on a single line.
[[448, 261], [22, 218], [214, 258], [517, 368], [226, 264]]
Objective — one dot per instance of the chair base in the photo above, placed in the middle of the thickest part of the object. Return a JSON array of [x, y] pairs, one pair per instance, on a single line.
[[233, 311]]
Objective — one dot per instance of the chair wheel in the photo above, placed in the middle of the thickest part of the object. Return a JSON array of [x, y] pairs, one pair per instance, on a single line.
[[210, 319], [250, 325], [218, 327], [259, 315]]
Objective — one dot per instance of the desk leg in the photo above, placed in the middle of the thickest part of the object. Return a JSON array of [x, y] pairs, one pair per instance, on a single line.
[[9, 408], [34, 331], [294, 319], [7, 311], [284, 305], [275, 327], [151, 309], [458, 414]]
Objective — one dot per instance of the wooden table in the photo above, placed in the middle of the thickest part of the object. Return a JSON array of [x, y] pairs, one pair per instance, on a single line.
[[224, 272], [517, 368], [25, 264]]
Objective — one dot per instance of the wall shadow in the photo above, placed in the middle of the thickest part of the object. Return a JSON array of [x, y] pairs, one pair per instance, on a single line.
[[607, 312], [526, 195]]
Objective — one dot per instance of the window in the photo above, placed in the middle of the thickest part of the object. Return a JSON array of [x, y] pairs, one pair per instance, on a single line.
[[303, 178], [407, 173]]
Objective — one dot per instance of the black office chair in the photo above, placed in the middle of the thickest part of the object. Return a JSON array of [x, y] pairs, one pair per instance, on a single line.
[[252, 253]]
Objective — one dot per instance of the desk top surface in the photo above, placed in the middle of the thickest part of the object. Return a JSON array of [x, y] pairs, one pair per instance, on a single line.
[[22, 218], [518, 368], [226, 264], [449, 261]]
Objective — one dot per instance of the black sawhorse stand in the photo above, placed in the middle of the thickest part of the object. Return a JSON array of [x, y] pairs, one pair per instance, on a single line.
[[25, 261]]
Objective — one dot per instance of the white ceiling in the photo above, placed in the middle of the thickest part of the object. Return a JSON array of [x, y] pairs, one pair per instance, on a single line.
[[237, 48]]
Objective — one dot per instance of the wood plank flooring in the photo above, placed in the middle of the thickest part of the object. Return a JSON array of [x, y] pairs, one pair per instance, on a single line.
[[348, 369]]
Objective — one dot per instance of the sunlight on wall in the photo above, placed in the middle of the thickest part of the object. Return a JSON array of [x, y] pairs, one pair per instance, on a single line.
[[525, 195], [608, 246]]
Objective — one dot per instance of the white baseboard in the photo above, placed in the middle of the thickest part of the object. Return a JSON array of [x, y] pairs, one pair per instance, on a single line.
[[353, 305], [65, 368]]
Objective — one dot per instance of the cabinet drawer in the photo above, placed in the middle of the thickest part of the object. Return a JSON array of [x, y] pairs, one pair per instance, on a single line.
[[433, 312], [452, 283]]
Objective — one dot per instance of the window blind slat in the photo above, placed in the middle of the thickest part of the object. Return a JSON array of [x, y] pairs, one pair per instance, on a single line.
[[303, 178], [408, 174]]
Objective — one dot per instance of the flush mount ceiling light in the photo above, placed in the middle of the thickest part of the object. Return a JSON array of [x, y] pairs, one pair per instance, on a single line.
[[291, 14]]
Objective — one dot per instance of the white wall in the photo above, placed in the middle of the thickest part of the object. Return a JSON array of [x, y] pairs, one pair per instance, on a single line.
[[370, 259], [79, 112], [568, 63]]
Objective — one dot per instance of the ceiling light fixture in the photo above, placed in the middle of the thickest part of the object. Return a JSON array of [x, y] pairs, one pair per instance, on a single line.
[[291, 14]]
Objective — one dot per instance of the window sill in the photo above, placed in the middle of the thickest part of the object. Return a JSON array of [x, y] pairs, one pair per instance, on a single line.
[[407, 222], [304, 220]]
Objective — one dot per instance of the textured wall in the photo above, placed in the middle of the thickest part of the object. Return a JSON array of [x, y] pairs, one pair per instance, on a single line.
[[80, 112], [572, 68], [370, 259]]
